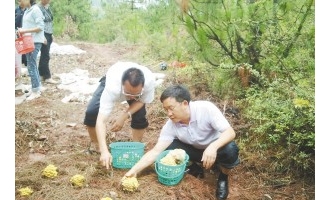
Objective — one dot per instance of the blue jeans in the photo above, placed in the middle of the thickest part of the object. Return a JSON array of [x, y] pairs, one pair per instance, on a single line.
[[33, 68]]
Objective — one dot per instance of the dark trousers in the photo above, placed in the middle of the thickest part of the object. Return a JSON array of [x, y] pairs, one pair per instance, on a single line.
[[24, 60], [227, 156], [45, 57]]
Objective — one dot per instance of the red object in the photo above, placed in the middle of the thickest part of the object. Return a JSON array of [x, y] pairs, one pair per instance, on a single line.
[[24, 44], [178, 64]]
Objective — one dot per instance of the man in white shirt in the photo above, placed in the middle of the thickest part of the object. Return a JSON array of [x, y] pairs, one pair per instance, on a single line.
[[199, 128], [124, 81]]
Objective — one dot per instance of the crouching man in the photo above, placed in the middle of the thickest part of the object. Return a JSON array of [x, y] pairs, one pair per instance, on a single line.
[[124, 81], [199, 128]]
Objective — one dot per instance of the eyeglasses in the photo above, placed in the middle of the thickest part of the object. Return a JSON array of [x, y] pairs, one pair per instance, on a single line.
[[136, 96], [171, 108]]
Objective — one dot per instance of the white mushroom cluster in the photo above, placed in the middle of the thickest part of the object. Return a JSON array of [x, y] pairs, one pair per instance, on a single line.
[[174, 157]]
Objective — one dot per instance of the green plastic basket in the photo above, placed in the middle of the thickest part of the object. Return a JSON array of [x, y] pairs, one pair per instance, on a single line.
[[168, 170], [126, 154], [169, 181]]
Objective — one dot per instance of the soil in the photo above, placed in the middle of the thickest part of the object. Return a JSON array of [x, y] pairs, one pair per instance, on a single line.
[[49, 131]]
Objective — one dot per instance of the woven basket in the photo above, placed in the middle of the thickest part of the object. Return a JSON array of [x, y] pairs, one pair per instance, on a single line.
[[126, 154], [24, 44], [169, 181], [168, 171]]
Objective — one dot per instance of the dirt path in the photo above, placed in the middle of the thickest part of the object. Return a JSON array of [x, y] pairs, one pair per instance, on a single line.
[[49, 131]]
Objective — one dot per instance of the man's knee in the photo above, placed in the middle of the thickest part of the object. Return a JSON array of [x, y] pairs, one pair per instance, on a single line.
[[139, 119], [90, 116], [229, 155]]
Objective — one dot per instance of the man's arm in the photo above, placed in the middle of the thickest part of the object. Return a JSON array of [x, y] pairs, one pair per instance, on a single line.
[[105, 158], [118, 124], [100, 127], [148, 159], [210, 152], [225, 137], [135, 106]]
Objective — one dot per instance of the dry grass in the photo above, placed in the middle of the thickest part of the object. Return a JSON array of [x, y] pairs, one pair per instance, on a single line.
[[75, 161], [43, 137]]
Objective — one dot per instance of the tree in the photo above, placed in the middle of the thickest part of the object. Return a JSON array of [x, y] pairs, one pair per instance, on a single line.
[[254, 32], [72, 17], [271, 46]]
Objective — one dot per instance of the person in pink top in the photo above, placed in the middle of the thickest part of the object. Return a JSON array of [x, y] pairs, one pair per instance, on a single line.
[[199, 128]]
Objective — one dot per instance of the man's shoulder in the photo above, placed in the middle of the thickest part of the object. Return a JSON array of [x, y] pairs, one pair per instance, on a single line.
[[203, 105], [200, 103]]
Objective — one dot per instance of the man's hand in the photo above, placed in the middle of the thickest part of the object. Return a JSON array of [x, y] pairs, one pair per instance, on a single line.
[[106, 159], [129, 174], [118, 123], [209, 156]]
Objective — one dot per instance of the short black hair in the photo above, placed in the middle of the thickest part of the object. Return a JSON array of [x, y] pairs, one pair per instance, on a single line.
[[179, 92], [134, 76]]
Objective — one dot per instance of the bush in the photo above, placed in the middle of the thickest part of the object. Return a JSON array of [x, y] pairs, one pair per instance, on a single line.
[[283, 121]]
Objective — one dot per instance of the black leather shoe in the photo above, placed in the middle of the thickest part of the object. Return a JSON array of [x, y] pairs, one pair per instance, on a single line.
[[196, 170], [222, 187]]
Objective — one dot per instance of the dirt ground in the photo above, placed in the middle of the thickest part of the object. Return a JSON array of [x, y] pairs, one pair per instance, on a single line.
[[49, 131]]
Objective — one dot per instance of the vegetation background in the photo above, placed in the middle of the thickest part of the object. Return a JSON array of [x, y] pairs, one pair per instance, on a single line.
[[257, 55]]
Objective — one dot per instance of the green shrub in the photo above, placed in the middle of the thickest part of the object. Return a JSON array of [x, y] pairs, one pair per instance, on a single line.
[[283, 120]]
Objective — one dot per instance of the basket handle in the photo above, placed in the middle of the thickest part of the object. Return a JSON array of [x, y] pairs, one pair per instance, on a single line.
[[156, 167], [18, 34]]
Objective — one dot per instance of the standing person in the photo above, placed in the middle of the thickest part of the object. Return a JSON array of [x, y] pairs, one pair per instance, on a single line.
[[123, 81], [43, 68], [19, 12], [199, 128], [33, 22]]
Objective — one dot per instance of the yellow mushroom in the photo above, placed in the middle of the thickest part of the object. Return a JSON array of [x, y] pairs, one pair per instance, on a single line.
[[25, 191], [129, 184], [50, 171], [78, 180]]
